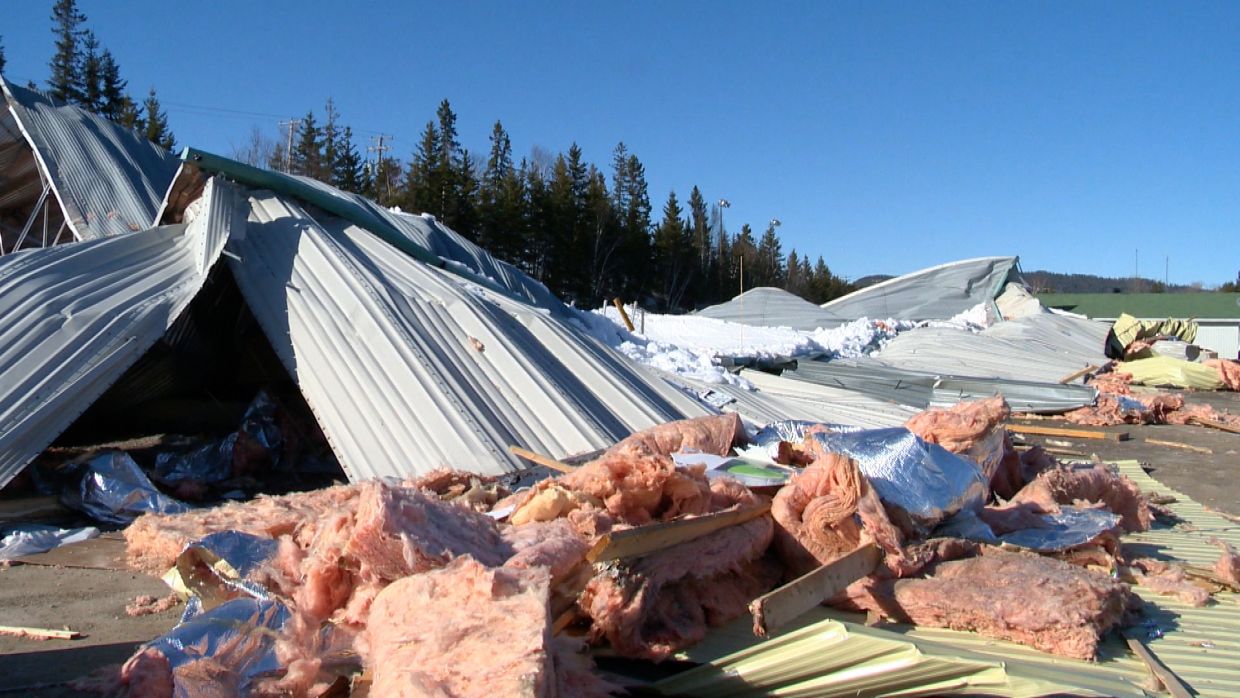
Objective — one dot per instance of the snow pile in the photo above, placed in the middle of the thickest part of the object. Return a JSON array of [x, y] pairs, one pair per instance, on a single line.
[[696, 361], [857, 338]]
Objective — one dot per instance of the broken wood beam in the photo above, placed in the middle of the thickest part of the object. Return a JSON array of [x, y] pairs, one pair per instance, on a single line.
[[1077, 374], [1180, 445], [39, 633], [623, 314], [1068, 433], [540, 459], [785, 604], [643, 540], [1215, 424], [1160, 672]]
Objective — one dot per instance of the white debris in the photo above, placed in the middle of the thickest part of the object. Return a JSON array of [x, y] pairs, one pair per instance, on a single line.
[[29, 539]]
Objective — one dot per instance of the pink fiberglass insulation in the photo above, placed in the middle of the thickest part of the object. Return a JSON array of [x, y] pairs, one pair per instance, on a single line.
[[1168, 579], [1228, 565], [816, 514], [555, 545], [146, 605], [389, 533], [466, 630], [155, 540], [652, 606], [1228, 370], [1036, 601], [636, 480], [970, 429], [1066, 484]]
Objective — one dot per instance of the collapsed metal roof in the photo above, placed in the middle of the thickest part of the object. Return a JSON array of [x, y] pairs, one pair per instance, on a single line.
[[77, 316], [936, 293], [407, 369], [773, 307], [106, 180]]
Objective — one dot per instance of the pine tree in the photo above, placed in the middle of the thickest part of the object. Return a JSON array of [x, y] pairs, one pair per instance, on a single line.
[[91, 72], [114, 104], [631, 202], [745, 253], [601, 228], [66, 80], [494, 224], [155, 125], [2, 61], [793, 282], [331, 143], [419, 188], [768, 267], [346, 167], [307, 153], [674, 254]]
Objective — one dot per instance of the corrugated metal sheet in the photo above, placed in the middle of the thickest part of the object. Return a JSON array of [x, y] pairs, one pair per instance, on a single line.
[[773, 307], [77, 316], [1201, 645], [921, 390], [406, 368], [107, 179], [778, 398], [1043, 348], [422, 238], [936, 293]]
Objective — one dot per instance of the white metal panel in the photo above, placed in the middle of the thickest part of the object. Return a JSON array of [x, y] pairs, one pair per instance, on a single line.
[[406, 368], [773, 307], [74, 317], [1222, 337], [935, 293], [107, 179]]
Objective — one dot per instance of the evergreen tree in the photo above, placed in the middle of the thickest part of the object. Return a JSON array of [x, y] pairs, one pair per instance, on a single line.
[[794, 283], [419, 187], [155, 125], [331, 143], [496, 220], [674, 255], [601, 230], [91, 73], [114, 103], [66, 80], [346, 166], [307, 153], [2, 61], [768, 265], [745, 254], [631, 202]]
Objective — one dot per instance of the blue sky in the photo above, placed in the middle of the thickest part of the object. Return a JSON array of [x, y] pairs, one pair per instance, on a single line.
[[885, 136]]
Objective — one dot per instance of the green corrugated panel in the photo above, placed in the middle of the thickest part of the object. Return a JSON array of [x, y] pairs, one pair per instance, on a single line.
[[1147, 305]]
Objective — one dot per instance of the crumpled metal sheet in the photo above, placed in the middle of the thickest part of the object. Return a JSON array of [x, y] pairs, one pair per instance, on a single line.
[[1066, 529], [115, 490], [925, 480]]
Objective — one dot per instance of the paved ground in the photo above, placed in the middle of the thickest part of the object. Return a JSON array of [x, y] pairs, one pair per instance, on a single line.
[[93, 601]]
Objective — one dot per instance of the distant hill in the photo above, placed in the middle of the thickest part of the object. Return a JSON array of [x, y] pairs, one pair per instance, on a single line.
[[871, 280], [1053, 282]]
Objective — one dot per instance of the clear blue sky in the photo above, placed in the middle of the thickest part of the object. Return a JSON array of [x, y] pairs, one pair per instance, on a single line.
[[885, 136]]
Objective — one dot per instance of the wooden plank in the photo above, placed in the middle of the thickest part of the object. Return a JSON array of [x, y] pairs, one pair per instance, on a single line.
[[566, 619], [1215, 424], [29, 509], [1180, 445], [97, 554], [540, 459], [1068, 433], [1161, 673], [39, 633], [643, 540], [623, 314], [777, 608], [1077, 374]]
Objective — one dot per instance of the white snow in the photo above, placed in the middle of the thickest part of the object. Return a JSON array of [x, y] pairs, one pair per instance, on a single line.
[[691, 345]]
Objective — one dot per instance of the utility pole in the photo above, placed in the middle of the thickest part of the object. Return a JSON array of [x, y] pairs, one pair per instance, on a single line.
[[292, 125], [378, 148]]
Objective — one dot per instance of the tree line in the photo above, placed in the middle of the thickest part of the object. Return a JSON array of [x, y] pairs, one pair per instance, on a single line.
[[588, 234], [85, 73]]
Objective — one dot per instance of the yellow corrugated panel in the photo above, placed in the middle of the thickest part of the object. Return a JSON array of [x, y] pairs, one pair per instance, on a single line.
[[828, 655]]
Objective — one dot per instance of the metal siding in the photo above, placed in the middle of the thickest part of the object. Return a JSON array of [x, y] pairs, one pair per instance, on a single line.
[[936, 293], [74, 317], [773, 307], [107, 179], [383, 348]]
